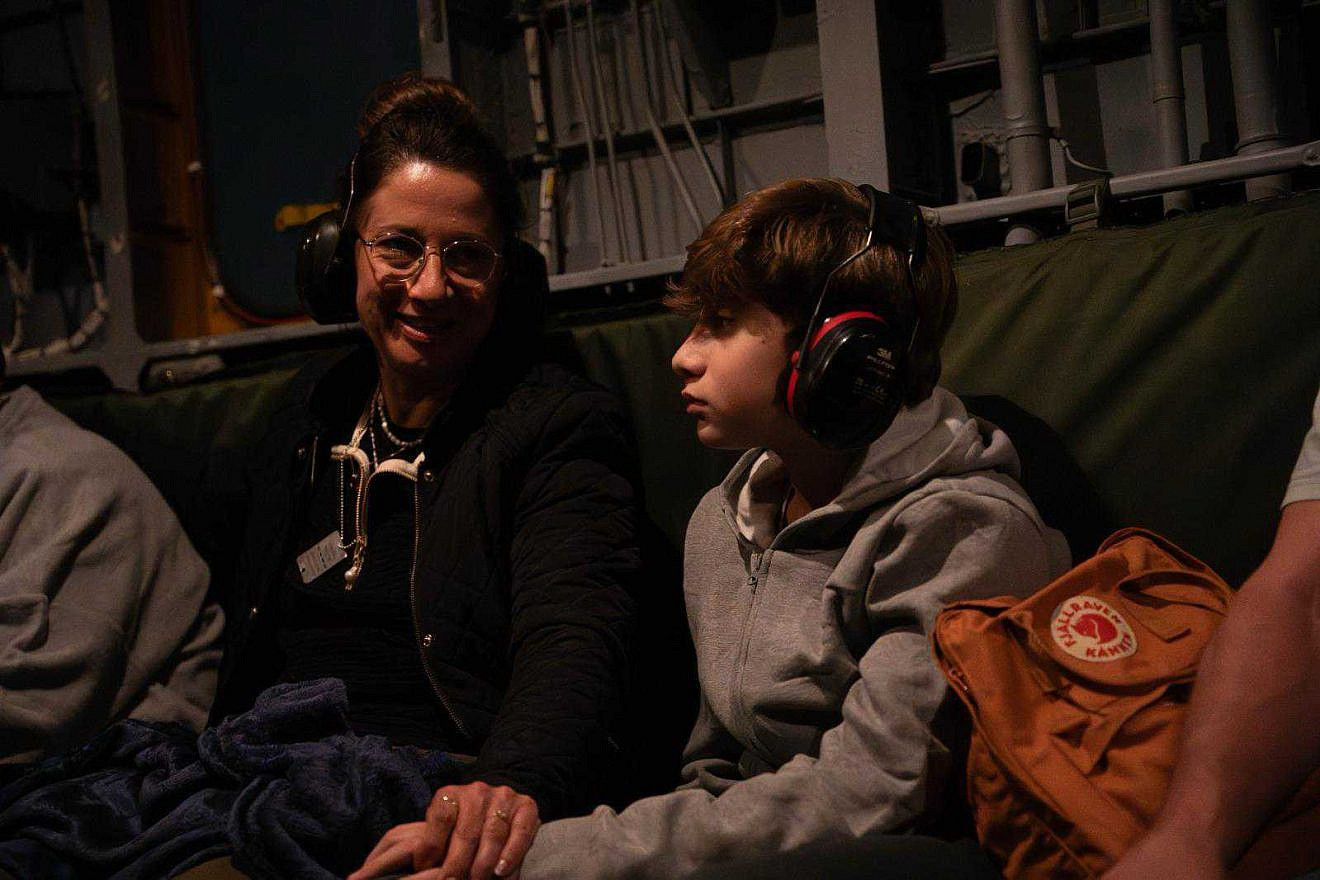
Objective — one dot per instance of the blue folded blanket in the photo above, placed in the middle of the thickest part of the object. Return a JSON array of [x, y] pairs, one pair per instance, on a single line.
[[285, 788]]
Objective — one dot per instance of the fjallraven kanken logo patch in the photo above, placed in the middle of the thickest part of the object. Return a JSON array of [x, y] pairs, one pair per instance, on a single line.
[[1090, 629]]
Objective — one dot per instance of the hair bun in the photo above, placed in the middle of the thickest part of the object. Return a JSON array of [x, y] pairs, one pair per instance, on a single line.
[[414, 93]]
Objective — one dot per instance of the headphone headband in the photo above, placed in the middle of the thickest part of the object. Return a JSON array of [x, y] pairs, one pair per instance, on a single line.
[[352, 187], [889, 220], [324, 275]]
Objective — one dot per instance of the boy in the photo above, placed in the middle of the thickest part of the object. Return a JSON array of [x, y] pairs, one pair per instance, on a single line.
[[812, 575]]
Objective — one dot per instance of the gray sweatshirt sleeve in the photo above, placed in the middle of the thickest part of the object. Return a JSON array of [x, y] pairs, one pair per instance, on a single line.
[[710, 760], [103, 608], [877, 771]]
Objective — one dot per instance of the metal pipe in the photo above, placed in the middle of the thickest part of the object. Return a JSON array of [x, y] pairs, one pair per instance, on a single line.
[[752, 108], [618, 274], [607, 127], [119, 351], [433, 39], [623, 103], [584, 107], [733, 114], [536, 88], [545, 227], [1282, 160], [1167, 94], [1255, 92], [1026, 133], [676, 78], [661, 141], [726, 157], [849, 36]]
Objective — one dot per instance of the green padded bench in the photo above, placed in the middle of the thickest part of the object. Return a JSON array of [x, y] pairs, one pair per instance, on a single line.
[[1176, 362]]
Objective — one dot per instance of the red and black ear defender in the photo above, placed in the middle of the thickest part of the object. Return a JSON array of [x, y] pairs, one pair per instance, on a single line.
[[325, 276], [845, 382]]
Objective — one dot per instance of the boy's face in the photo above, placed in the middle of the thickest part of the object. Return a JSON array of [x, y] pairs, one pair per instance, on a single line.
[[730, 365]]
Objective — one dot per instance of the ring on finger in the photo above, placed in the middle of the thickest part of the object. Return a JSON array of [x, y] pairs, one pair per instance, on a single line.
[[501, 813]]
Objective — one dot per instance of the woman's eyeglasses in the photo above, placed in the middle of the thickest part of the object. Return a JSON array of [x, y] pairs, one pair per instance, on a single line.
[[399, 258]]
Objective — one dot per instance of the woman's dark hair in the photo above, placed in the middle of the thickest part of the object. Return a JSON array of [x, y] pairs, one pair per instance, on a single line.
[[413, 117]]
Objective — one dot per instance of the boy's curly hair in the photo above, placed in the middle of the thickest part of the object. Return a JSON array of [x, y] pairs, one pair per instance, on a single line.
[[777, 246]]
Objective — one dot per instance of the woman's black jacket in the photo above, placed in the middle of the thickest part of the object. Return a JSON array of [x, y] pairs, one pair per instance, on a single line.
[[527, 553]]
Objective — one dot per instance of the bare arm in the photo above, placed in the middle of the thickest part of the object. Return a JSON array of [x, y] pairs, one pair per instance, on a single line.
[[1250, 738]]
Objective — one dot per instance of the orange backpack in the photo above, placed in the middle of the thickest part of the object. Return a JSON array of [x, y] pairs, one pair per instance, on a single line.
[[1077, 696]]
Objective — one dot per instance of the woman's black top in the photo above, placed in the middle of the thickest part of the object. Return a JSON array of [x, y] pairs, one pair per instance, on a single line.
[[363, 635], [528, 552]]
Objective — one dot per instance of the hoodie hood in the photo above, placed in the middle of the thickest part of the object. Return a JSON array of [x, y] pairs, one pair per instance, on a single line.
[[936, 438]]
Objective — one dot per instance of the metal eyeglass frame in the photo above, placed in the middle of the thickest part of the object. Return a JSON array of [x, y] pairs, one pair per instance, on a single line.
[[413, 274]]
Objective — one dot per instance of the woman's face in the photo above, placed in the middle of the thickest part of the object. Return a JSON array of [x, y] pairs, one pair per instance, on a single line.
[[426, 328]]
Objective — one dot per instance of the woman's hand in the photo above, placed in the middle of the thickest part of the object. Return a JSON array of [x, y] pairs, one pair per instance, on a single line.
[[477, 829]]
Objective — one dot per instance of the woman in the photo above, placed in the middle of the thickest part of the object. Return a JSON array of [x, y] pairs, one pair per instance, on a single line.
[[437, 520], [479, 505]]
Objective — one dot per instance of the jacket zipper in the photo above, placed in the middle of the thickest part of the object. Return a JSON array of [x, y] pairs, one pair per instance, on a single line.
[[417, 626], [316, 447], [744, 643], [753, 579]]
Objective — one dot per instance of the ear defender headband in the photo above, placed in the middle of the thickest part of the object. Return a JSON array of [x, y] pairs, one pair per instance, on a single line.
[[325, 276], [845, 383]]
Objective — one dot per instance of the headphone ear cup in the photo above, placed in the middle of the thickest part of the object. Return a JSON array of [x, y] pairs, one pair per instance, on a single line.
[[325, 278], [851, 389]]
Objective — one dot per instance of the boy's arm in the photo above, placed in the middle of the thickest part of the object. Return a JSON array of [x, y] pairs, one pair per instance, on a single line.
[[1251, 736], [814, 815]]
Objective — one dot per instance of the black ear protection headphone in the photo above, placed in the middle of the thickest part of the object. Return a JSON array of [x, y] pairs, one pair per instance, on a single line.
[[325, 274], [845, 382]]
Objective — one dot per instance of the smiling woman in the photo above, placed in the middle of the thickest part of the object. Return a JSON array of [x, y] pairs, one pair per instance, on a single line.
[[442, 522], [426, 318], [431, 610]]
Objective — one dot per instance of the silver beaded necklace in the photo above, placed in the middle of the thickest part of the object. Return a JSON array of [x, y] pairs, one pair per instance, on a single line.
[[384, 421]]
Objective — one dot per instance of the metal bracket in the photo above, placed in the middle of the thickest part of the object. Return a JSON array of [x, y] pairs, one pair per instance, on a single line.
[[1088, 205]]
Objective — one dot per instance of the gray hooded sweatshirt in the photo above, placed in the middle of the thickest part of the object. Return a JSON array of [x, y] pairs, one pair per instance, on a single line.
[[817, 681]]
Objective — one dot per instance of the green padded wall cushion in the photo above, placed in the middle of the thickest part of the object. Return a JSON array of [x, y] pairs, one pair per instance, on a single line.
[[193, 442], [1178, 361], [632, 358]]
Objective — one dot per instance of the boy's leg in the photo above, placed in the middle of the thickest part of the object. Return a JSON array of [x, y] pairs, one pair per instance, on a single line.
[[881, 857]]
